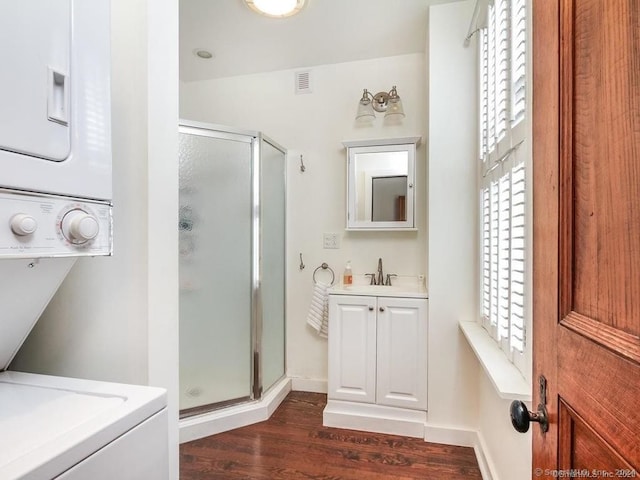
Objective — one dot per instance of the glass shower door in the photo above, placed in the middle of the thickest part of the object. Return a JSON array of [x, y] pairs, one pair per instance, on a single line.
[[215, 267], [272, 199]]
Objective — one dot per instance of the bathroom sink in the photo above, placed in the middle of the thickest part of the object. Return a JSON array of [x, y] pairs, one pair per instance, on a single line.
[[409, 289]]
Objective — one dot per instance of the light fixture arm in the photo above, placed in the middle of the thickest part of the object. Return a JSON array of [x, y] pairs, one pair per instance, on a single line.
[[380, 99], [388, 102], [365, 97]]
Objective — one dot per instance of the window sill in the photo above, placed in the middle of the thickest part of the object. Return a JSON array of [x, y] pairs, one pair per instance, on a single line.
[[505, 377]]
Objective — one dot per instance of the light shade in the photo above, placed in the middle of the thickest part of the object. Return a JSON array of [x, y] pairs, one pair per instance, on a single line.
[[365, 111], [394, 104], [276, 8], [394, 107], [365, 107]]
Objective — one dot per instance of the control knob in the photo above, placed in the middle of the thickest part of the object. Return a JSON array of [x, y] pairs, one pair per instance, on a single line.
[[79, 226], [23, 224]]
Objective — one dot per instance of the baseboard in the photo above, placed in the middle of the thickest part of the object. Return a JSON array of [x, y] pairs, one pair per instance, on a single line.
[[374, 418], [233, 417], [487, 468], [301, 384], [450, 435], [464, 438]]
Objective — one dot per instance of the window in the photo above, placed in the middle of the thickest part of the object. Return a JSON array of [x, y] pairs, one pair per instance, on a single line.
[[503, 180]]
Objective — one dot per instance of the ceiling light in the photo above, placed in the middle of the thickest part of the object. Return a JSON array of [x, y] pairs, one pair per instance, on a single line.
[[276, 8], [388, 102]]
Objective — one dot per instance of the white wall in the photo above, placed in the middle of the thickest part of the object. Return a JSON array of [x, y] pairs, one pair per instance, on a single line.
[[315, 125], [458, 384], [453, 371], [115, 318], [508, 452], [162, 215]]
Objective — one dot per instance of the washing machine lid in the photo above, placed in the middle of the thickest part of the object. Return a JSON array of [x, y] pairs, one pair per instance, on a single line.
[[48, 424]]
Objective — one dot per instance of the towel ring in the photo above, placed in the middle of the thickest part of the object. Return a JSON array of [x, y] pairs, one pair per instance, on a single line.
[[324, 266]]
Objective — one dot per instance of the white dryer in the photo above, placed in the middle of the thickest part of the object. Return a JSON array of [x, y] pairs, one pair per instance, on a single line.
[[55, 206], [55, 114]]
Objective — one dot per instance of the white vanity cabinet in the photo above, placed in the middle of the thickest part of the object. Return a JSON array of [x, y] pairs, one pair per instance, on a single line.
[[377, 363]]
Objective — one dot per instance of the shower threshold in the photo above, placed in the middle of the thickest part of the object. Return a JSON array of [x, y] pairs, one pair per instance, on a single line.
[[225, 418]]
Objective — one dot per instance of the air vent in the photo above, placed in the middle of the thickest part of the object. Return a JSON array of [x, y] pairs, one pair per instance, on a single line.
[[303, 82]]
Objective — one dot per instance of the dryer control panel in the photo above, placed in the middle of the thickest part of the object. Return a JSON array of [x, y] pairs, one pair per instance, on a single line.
[[36, 225]]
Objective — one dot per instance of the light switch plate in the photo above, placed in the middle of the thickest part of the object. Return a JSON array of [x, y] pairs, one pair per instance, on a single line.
[[330, 240]]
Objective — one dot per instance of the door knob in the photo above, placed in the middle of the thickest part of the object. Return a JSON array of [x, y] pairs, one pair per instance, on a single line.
[[521, 416], [382, 309]]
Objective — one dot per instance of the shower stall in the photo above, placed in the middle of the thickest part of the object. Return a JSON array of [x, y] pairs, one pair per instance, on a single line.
[[232, 266]]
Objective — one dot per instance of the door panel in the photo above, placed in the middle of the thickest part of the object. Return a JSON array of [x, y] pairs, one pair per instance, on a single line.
[[602, 386], [352, 348], [586, 125], [215, 269], [583, 449], [36, 39], [605, 140], [402, 353]]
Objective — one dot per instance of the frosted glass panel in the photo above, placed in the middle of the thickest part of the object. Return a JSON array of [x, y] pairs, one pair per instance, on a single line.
[[215, 270], [273, 263]]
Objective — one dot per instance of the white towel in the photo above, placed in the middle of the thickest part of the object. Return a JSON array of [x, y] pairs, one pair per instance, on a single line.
[[318, 316]]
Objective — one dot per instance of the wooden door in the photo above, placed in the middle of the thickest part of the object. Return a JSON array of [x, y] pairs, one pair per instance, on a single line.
[[352, 348], [402, 353], [586, 161]]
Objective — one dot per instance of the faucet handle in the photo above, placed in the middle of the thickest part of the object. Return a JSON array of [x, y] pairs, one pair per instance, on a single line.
[[373, 278], [389, 275]]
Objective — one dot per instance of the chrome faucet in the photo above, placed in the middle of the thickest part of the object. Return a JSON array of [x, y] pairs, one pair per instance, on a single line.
[[378, 278], [380, 275]]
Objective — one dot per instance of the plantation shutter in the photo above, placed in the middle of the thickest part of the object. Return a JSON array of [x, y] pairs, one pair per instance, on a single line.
[[517, 258], [503, 196], [518, 62], [501, 18]]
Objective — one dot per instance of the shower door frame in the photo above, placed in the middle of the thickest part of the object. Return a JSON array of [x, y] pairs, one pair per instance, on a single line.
[[255, 138]]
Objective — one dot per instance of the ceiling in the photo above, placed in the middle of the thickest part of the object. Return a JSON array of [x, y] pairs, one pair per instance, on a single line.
[[325, 32]]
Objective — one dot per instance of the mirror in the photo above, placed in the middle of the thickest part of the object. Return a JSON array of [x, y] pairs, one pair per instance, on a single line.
[[381, 184]]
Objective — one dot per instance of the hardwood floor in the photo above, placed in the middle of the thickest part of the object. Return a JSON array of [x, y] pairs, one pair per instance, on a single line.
[[293, 444]]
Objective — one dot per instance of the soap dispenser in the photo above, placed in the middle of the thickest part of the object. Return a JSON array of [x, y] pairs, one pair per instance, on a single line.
[[347, 278]]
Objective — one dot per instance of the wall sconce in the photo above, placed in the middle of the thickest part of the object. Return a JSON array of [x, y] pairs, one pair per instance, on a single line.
[[389, 103]]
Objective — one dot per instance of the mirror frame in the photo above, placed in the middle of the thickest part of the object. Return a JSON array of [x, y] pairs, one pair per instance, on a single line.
[[354, 147]]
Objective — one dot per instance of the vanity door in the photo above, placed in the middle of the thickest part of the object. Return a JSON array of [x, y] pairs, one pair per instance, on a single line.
[[352, 348], [402, 353]]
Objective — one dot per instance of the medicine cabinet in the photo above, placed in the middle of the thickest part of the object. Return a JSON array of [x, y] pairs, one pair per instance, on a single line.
[[381, 184]]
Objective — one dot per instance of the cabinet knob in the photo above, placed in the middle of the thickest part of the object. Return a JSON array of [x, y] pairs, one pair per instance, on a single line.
[[382, 309], [370, 308]]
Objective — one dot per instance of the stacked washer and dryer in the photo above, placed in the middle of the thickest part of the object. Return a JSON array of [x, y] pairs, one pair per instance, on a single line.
[[55, 206]]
